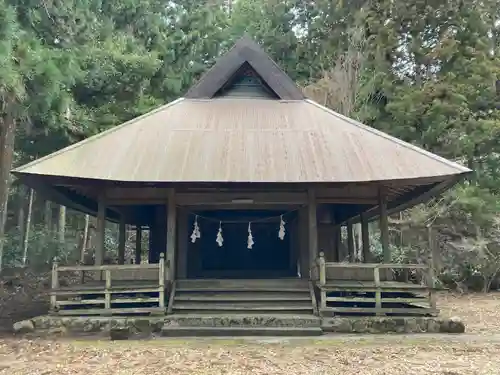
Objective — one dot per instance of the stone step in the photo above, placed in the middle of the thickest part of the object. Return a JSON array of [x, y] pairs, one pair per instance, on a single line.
[[210, 296], [243, 311], [244, 319], [172, 331]]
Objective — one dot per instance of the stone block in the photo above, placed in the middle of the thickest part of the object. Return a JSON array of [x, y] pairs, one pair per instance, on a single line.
[[337, 325], [57, 331], [433, 325], [24, 326], [361, 326], [142, 325], [453, 325], [119, 333]]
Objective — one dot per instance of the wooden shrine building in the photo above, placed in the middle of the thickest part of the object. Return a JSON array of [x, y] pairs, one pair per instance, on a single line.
[[243, 183]]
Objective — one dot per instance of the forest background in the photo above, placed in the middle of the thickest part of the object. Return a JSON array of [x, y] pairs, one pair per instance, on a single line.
[[427, 72]]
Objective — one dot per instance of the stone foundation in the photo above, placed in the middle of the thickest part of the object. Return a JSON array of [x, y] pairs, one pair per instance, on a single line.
[[392, 325], [95, 324], [147, 326]]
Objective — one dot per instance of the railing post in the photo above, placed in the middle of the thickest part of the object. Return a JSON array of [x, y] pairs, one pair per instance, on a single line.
[[161, 290], [431, 286], [430, 272], [54, 286], [167, 269], [171, 234], [378, 292], [322, 269], [107, 291]]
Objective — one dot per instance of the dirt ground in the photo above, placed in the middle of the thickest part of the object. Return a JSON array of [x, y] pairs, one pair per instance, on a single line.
[[476, 352]]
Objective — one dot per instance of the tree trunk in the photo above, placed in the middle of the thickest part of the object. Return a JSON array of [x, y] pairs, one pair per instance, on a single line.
[[358, 241], [28, 224], [61, 228], [84, 239], [47, 217], [47, 225], [7, 134], [20, 215]]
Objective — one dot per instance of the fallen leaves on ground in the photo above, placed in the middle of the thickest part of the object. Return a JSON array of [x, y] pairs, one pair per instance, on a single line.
[[176, 357], [480, 312], [366, 355]]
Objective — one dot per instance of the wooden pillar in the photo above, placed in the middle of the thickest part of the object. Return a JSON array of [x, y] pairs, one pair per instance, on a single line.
[[100, 231], [326, 236], [325, 243], [151, 242], [294, 247], [122, 238], [384, 227], [138, 244], [338, 242], [303, 244], [158, 234], [313, 231], [350, 241], [365, 239], [171, 232], [182, 244]]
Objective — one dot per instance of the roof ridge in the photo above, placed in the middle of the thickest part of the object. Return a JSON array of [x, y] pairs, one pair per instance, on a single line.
[[400, 142], [213, 67], [96, 136], [245, 50]]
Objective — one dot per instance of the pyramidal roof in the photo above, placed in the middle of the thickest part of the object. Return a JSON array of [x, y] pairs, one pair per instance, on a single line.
[[244, 121]]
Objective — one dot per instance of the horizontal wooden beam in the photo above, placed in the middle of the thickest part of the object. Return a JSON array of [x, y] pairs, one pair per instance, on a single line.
[[350, 193], [195, 199], [244, 207], [241, 200]]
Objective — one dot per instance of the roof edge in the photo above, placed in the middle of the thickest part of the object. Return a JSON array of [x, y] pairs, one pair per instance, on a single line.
[[433, 192], [61, 179], [460, 168], [20, 169]]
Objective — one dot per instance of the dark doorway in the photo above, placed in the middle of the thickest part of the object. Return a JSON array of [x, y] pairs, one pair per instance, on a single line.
[[270, 257]]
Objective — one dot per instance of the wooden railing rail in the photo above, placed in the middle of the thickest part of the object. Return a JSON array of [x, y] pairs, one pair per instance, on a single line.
[[110, 267], [106, 288], [323, 265], [377, 265], [428, 276]]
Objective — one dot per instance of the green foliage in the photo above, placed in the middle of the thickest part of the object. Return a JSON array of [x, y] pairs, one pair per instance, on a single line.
[[277, 27], [43, 248], [426, 73]]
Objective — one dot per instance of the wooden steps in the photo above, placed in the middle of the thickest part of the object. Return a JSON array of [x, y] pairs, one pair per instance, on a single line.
[[282, 296]]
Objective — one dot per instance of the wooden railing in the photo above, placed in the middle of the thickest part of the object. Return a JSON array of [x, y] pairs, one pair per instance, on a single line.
[[376, 284], [106, 291]]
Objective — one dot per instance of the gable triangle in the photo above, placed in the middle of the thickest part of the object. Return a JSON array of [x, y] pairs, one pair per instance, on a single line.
[[245, 52], [247, 83]]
